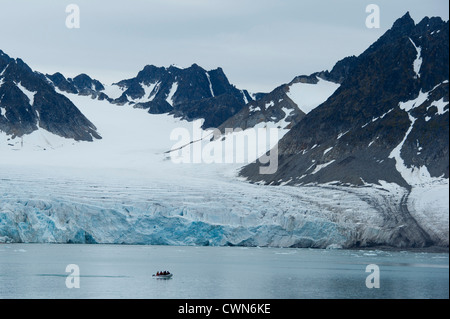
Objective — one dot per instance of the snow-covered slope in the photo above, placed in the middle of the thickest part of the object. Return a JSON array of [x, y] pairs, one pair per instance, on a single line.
[[308, 96], [287, 104]]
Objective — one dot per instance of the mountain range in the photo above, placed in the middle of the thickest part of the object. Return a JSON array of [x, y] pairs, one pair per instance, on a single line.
[[382, 115]]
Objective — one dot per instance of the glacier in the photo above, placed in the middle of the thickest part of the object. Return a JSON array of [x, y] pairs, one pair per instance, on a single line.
[[102, 209], [125, 189]]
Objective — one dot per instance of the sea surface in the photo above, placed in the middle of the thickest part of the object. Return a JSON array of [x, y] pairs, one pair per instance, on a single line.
[[123, 271]]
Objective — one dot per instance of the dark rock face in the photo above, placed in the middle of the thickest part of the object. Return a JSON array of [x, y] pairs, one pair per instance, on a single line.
[[61, 83], [28, 101], [340, 70], [81, 84], [394, 95]]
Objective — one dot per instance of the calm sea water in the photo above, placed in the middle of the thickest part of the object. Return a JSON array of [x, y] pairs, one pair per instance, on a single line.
[[114, 271]]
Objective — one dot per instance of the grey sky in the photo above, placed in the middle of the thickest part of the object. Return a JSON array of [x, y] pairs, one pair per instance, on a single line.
[[260, 44]]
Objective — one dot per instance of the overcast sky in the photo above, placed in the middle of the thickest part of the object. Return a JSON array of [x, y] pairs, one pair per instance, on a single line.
[[260, 44]]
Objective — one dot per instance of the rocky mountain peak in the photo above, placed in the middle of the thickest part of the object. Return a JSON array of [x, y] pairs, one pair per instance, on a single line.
[[404, 24], [388, 121]]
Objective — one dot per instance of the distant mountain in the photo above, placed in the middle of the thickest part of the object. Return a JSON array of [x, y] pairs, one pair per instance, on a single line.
[[190, 93], [287, 104], [81, 84], [28, 102], [388, 120]]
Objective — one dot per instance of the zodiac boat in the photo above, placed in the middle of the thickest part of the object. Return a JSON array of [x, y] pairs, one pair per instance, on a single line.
[[159, 276]]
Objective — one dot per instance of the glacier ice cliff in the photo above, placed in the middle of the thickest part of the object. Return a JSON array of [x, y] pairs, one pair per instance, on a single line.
[[206, 213]]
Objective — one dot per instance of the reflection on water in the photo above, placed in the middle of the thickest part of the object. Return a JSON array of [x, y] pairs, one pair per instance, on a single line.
[[114, 271]]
